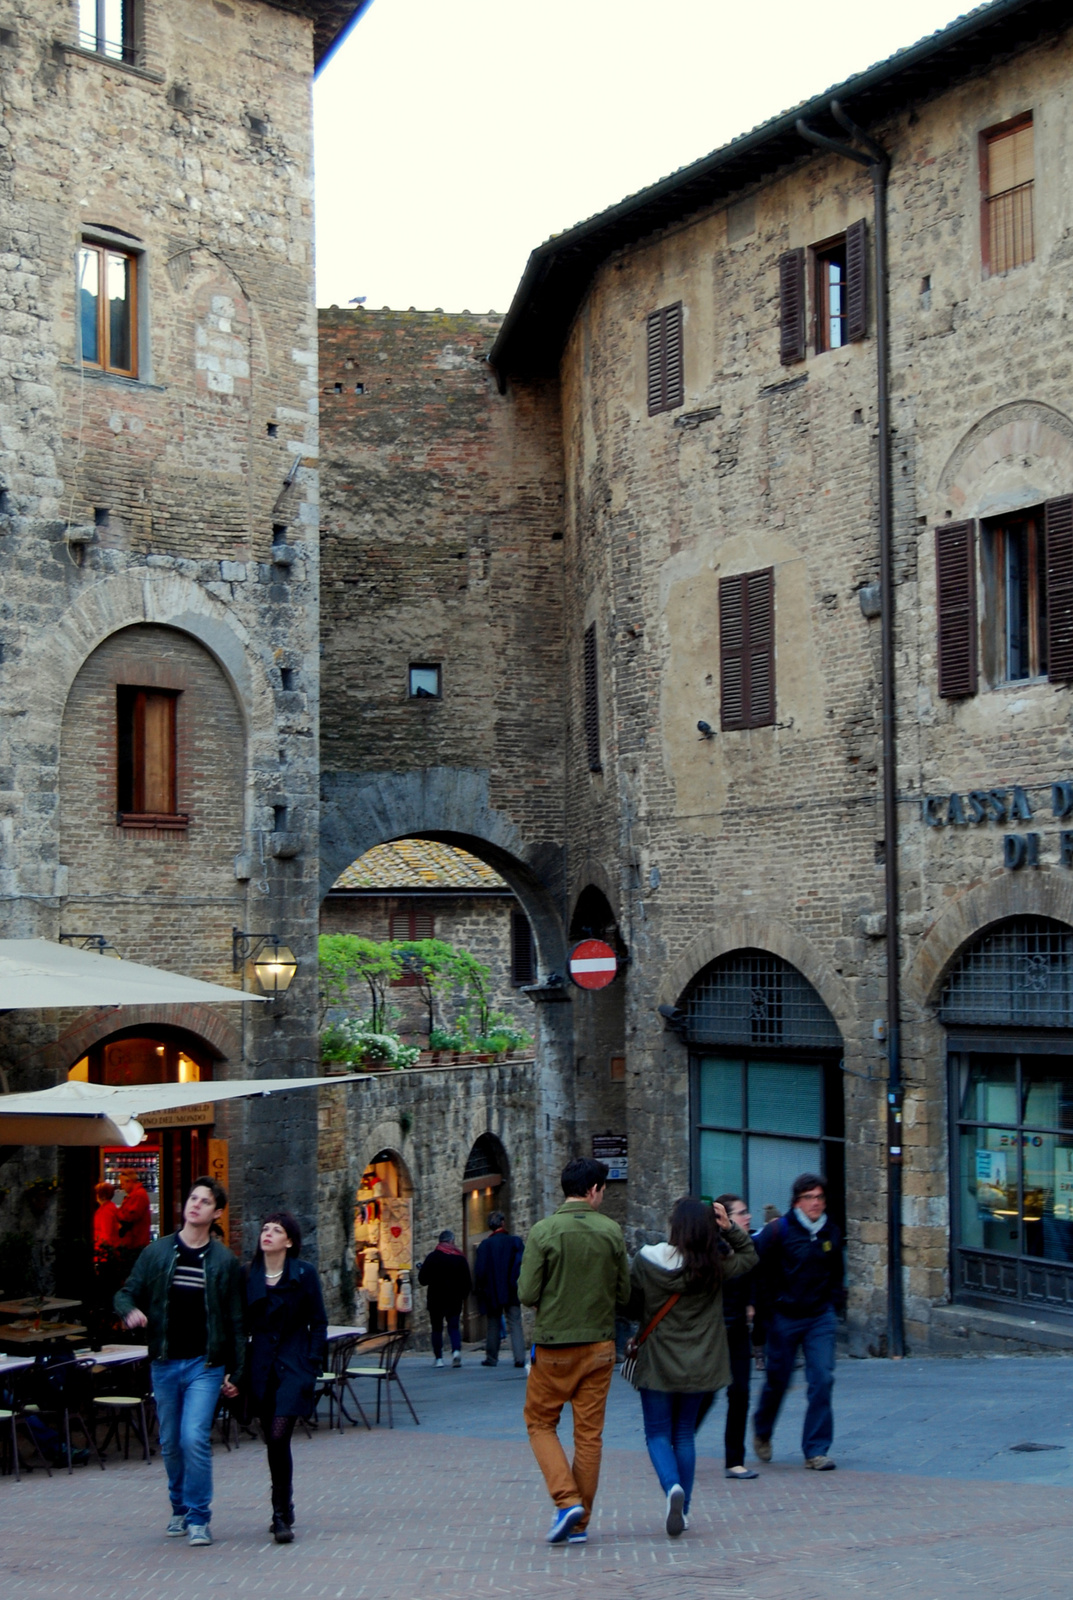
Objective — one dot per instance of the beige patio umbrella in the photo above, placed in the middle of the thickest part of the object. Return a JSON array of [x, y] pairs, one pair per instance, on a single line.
[[36, 973]]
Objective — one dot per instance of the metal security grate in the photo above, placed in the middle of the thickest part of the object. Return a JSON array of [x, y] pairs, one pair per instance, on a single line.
[[753, 998], [483, 1160], [1020, 975]]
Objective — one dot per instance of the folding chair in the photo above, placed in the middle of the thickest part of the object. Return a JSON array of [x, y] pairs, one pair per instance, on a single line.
[[385, 1374], [333, 1382]]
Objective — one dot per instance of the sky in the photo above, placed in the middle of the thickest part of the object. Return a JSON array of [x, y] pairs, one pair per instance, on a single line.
[[454, 136]]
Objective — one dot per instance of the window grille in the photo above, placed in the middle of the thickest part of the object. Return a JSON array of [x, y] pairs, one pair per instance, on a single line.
[[753, 998], [483, 1160], [1020, 975]]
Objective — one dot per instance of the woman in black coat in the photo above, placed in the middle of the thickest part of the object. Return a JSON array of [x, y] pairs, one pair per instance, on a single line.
[[288, 1328]]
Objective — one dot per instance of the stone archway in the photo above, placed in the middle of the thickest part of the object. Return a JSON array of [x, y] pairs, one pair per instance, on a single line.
[[1018, 455], [760, 933], [1043, 894]]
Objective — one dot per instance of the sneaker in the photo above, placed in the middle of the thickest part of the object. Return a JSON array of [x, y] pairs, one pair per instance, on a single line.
[[761, 1448], [521, 1364], [487, 1363], [676, 1499], [579, 1536], [176, 1527], [456, 1359], [198, 1533], [741, 1473], [685, 1522], [820, 1464], [438, 1361], [281, 1529], [562, 1523]]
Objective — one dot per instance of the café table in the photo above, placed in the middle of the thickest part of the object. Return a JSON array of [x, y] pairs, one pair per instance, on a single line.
[[113, 1355], [15, 1363], [31, 1307], [47, 1333], [337, 1331]]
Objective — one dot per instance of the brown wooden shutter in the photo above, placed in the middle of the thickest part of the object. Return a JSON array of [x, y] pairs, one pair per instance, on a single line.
[[522, 964], [857, 281], [792, 307], [148, 745], [1058, 521], [665, 380], [592, 700], [955, 566], [747, 649]]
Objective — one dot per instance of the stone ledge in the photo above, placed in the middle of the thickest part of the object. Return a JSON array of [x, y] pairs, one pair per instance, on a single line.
[[975, 1330]]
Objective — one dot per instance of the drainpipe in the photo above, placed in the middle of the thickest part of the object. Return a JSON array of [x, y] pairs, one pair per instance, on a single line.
[[876, 159]]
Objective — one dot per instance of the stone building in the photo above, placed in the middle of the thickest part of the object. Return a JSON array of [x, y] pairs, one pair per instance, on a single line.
[[639, 550], [158, 519]]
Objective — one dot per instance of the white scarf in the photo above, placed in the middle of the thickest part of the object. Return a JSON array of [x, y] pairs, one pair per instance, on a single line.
[[806, 1222]]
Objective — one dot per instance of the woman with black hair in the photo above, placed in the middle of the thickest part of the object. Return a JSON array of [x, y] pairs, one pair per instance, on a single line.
[[682, 1344], [288, 1328]]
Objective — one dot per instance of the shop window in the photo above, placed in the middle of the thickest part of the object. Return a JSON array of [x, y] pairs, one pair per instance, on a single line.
[[146, 763], [108, 310], [1007, 182], [522, 952], [383, 1243], [426, 682], [109, 28], [747, 649], [664, 359]]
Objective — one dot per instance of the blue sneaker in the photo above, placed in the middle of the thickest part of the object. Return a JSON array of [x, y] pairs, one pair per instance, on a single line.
[[562, 1523], [579, 1536]]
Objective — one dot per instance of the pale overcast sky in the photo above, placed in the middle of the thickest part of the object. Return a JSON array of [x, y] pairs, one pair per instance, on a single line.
[[453, 136]]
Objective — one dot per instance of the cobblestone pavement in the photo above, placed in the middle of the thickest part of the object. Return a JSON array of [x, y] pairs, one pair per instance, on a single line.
[[930, 1502]]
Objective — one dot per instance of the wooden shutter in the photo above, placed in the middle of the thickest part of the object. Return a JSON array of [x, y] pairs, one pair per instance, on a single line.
[[151, 744], [747, 649], [857, 281], [955, 567], [1058, 521], [592, 701], [792, 307], [522, 965], [665, 380]]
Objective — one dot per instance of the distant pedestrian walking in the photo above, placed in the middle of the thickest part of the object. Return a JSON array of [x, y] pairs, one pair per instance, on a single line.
[[499, 1261], [802, 1289], [682, 1344], [288, 1328], [738, 1296], [575, 1271], [445, 1274]]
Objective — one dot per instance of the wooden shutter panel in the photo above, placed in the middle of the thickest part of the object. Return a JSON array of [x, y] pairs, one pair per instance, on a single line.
[[792, 307], [760, 636], [955, 566], [522, 966], [592, 701], [732, 652], [655, 362], [1058, 521], [153, 751], [857, 281], [665, 380]]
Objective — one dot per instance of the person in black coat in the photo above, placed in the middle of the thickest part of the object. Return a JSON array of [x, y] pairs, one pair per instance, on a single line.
[[445, 1274], [288, 1329], [499, 1261]]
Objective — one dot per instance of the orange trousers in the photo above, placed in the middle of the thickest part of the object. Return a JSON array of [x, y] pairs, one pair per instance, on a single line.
[[578, 1374]]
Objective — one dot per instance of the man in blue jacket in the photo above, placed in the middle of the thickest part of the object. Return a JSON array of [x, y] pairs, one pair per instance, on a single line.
[[802, 1279], [499, 1261]]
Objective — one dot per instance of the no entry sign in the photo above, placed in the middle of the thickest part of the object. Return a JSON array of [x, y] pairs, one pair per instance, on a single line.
[[593, 964]]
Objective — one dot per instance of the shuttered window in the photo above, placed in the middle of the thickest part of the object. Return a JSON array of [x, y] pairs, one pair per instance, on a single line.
[[1007, 159], [592, 701], [747, 649], [522, 954], [792, 307], [955, 563], [857, 281], [665, 382], [145, 748], [406, 925], [1058, 518]]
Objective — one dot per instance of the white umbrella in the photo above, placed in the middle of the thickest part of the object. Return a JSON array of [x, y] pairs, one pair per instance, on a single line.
[[99, 1114], [36, 973]]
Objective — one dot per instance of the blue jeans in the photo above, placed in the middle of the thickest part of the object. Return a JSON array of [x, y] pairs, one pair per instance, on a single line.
[[670, 1434], [186, 1393], [816, 1336], [437, 1319]]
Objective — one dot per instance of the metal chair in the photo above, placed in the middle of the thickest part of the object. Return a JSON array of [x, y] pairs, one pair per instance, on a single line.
[[14, 1414], [333, 1382], [130, 1408], [64, 1390], [391, 1346]]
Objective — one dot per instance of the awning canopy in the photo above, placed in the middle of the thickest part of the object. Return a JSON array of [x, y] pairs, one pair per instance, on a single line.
[[98, 1114], [35, 973]]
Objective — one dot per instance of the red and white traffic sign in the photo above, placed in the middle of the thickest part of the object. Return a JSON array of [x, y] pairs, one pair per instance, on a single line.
[[593, 964]]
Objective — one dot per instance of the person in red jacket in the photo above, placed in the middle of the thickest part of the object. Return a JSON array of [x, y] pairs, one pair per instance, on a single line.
[[133, 1213]]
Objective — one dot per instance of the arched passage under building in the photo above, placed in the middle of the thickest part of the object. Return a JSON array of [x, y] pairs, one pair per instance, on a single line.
[[485, 1190]]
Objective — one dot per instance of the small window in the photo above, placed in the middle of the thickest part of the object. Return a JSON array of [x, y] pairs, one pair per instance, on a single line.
[[145, 767], [830, 262], [522, 954], [404, 926], [109, 28], [1015, 560], [592, 701], [1007, 181], [426, 683], [665, 380], [107, 296]]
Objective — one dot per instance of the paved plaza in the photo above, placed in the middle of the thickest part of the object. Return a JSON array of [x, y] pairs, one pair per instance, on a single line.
[[931, 1501]]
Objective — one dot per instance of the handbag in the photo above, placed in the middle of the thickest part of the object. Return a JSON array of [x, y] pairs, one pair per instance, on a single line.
[[629, 1360]]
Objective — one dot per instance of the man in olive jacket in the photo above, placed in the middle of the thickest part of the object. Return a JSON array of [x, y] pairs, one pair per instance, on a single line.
[[576, 1273], [188, 1291]]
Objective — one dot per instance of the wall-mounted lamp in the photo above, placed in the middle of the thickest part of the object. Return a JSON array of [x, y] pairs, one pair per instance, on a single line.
[[97, 942], [275, 964]]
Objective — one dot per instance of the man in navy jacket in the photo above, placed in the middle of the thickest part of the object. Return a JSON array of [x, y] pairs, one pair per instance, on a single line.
[[499, 1261], [802, 1278]]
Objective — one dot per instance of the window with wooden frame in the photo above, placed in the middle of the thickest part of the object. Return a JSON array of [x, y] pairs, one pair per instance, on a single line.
[[1007, 185], [406, 926], [592, 700], [747, 649], [838, 268], [522, 953], [108, 308], [146, 764], [109, 28], [1015, 551], [666, 385]]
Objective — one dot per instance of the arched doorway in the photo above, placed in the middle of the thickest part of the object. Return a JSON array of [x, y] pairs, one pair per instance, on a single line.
[[485, 1188], [1007, 1007], [766, 1082], [383, 1241]]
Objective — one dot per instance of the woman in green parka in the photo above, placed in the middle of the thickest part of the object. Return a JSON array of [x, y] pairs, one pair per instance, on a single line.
[[684, 1357]]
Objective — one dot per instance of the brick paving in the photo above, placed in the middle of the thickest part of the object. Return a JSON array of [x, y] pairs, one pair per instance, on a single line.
[[455, 1509]]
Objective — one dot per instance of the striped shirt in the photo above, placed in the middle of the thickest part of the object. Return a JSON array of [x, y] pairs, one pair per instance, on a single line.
[[186, 1304]]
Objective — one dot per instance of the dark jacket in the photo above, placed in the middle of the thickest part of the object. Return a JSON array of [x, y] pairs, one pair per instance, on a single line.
[[445, 1274], [499, 1261], [149, 1285], [738, 1293], [686, 1352], [800, 1275], [288, 1330]]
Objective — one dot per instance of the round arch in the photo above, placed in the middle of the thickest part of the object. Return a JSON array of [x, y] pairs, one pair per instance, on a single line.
[[759, 933], [218, 1037], [1017, 455], [1044, 894]]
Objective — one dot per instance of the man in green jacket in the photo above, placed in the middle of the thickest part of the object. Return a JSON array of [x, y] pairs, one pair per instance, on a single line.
[[576, 1273], [188, 1291]]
